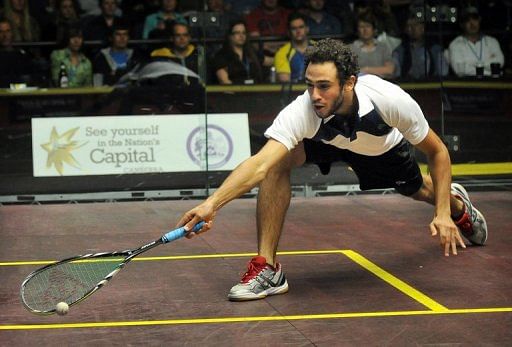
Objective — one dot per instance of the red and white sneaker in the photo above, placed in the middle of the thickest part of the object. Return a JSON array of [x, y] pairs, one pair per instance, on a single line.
[[472, 223], [260, 280]]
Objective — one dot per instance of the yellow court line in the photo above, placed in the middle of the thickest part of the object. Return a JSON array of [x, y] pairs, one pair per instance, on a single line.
[[252, 319], [395, 282], [477, 169], [354, 256], [183, 257]]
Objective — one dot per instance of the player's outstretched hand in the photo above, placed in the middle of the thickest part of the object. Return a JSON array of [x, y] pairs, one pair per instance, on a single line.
[[449, 234], [203, 212]]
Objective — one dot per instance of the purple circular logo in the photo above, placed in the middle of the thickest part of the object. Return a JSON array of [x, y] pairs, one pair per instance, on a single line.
[[215, 143]]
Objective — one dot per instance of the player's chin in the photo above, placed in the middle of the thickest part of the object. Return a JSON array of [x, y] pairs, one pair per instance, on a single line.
[[320, 113]]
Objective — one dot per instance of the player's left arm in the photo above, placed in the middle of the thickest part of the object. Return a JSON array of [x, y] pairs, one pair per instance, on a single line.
[[439, 164]]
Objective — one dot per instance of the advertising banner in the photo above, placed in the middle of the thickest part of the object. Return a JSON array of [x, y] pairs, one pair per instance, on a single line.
[[111, 145]]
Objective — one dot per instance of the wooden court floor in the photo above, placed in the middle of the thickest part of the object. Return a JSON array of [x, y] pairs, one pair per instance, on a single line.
[[363, 271]]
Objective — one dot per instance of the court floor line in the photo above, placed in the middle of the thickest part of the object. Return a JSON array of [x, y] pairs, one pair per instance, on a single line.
[[223, 320], [354, 256]]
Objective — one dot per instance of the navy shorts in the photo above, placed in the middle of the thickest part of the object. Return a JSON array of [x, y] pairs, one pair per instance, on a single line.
[[396, 168]]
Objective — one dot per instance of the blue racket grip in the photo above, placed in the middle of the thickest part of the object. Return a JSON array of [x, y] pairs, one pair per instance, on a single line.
[[180, 232]]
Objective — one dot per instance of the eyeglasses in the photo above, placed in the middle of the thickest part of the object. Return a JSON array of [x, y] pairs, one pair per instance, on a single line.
[[239, 33]]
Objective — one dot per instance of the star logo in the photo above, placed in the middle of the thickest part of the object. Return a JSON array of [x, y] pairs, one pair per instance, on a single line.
[[59, 149]]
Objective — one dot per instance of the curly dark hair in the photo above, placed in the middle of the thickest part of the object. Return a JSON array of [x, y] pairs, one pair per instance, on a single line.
[[341, 55]]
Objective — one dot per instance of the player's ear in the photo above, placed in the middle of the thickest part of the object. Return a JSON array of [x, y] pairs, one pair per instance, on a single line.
[[350, 83]]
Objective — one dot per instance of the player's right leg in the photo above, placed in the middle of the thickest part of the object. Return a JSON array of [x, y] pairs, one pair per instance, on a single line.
[[468, 219], [264, 276]]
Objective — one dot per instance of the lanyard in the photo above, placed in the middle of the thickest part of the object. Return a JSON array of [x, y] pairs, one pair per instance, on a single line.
[[478, 57]]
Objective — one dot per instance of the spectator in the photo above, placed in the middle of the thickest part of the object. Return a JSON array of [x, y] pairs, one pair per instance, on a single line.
[[15, 64], [115, 61], [182, 51], [269, 19], [98, 27], [23, 26], [224, 18], [415, 59], [135, 12], [385, 20], [93, 7], [66, 15], [236, 62], [241, 7], [472, 48], [344, 11], [289, 59], [157, 20], [374, 57], [78, 66], [319, 21]]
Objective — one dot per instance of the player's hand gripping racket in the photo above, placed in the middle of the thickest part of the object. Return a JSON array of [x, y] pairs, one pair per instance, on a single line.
[[74, 279]]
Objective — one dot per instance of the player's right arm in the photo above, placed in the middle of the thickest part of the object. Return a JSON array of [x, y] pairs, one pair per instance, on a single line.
[[245, 177]]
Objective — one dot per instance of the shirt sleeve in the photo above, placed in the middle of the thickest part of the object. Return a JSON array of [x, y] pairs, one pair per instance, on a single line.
[[294, 123], [404, 113]]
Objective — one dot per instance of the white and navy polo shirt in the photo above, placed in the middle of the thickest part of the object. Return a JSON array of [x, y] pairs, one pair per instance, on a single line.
[[386, 115]]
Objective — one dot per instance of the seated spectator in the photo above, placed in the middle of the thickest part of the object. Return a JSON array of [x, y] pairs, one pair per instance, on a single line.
[[344, 11], [98, 27], [236, 62], [385, 20], [182, 51], [78, 66], [472, 48], [319, 21], [66, 15], [135, 12], [15, 63], [115, 61], [93, 8], [414, 60], [24, 27], [269, 19], [374, 57], [241, 7], [224, 18], [289, 59], [157, 20]]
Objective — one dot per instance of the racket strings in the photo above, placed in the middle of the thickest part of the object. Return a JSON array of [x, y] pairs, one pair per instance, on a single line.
[[66, 282]]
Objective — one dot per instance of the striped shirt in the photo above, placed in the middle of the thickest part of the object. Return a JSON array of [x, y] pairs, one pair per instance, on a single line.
[[385, 116]]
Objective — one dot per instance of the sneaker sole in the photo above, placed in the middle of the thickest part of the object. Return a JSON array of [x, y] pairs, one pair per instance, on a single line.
[[253, 296], [462, 191]]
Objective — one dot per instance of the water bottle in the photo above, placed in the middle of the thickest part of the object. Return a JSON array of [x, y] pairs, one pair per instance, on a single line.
[[63, 76], [272, 77]]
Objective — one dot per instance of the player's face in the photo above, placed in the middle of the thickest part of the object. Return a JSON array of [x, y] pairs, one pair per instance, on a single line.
[[324, 88]]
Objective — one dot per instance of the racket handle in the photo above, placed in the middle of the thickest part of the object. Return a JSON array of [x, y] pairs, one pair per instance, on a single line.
[[180, 232]]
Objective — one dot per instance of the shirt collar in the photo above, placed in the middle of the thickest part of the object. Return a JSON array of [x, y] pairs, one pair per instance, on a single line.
[[365, 104]]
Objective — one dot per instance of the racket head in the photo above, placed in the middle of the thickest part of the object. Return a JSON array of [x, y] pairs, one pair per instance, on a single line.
[[70, 280]]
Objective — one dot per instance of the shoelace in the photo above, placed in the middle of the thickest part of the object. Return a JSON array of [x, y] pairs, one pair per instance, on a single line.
[[252, 271]]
